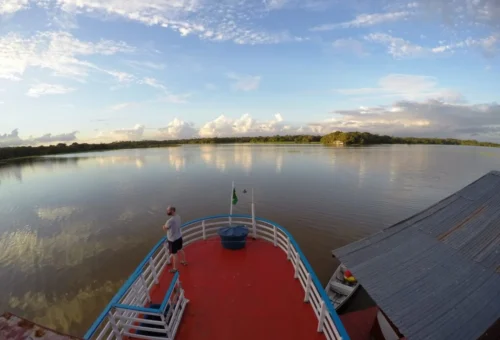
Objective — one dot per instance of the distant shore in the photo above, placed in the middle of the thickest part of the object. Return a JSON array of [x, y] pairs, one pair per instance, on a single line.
[[336, 138]]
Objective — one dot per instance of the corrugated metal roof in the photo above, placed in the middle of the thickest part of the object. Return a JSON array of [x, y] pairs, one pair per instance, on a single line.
[[436, 275]]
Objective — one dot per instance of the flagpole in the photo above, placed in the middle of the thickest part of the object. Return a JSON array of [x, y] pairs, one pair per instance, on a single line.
[[231, 204], [254, 225]]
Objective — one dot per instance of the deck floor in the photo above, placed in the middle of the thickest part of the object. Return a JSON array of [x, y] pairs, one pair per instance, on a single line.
[[242, 294]]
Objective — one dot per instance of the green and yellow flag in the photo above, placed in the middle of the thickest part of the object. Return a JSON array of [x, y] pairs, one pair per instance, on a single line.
[[235, 198]]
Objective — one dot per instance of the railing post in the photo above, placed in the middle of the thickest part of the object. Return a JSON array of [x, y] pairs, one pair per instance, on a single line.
[[275, 236], [308, 287], [297, 267], [167, 329], [165, 246], [153, 270], [254, 223], [114, 326], [203, 228], [288, 248], [321, 317], [145, 286]]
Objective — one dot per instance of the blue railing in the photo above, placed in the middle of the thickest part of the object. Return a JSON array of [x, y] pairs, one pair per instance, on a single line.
[[136, 274]]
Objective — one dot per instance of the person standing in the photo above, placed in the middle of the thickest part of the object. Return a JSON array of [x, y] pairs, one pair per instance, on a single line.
[[174, 237]]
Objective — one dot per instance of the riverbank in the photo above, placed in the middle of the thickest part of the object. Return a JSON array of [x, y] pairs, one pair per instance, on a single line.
[[336, 138]]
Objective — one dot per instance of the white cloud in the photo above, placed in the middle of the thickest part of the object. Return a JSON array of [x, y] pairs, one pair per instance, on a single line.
[[13, 138], [208, 20], [488, 46], [10, 139], [431, 118], [170, 97], [178, 129], [121, 106], [243, 126], [364, 20], [401, 48], [275, 4], [244, 82], [12, 6], [50, 138], [397, 47], [180, 98], [46, 89], [460, 13], [145, 64], [134, 133], [153, 83], [59, 52], [405, 86]]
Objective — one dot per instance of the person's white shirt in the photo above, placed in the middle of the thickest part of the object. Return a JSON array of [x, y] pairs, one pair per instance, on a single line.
[[174, 228]]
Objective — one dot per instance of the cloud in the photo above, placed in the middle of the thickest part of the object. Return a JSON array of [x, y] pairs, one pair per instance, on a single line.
[[50, 138], [350, 45], [12, 6], [215, 21], [135, 133], [400, 48], [121, 106], [244, 82], [243, 126], [460, 13], [405, 86], [13, 138], [397, 47], [170, 97], [178, 129], [145, 64], [153, 83], [43, 89], [10, 139], [488, 46], [430, 118], [365, 20], [181, 98], [59, 52], [275, 4]]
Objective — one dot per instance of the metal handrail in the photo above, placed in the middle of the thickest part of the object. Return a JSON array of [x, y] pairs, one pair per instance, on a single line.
[[317, 296]]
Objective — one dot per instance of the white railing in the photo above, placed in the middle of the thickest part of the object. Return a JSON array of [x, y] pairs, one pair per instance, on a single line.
[[126, 315], [135, 292]]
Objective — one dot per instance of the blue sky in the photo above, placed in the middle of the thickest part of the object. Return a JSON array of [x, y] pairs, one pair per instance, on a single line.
[[96, 70]]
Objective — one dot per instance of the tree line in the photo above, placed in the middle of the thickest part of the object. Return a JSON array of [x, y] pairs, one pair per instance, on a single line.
[[366, 138], [346, 138]]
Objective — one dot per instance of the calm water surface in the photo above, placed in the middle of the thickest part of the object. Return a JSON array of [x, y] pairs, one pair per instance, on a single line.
[[72, 228]]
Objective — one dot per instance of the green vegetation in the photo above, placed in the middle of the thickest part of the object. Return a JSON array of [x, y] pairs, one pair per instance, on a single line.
[[61, 148], [347, 138], [366, 138]]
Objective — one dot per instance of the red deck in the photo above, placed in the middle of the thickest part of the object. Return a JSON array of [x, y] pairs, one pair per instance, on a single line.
[[243, 294]]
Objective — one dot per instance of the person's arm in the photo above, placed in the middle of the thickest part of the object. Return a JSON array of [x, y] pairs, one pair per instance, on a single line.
[[166, 226]]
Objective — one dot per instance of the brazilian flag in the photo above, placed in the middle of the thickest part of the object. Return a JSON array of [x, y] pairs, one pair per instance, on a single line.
[[235, 198]]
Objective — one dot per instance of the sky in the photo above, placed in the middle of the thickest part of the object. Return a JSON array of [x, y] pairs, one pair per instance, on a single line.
[[105, 70]]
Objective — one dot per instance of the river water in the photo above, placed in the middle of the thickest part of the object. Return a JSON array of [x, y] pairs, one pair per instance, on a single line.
[[73, 227]]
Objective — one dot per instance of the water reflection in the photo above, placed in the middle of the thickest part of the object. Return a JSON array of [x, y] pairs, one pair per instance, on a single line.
[[138, 160], [19, 168]]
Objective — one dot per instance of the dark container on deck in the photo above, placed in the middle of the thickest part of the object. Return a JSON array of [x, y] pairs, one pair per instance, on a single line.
[[233, 237]]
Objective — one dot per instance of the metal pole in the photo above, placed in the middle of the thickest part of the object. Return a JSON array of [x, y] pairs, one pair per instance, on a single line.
[[254, 224], [231, 204]]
